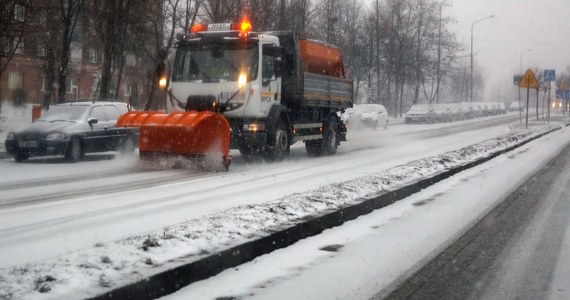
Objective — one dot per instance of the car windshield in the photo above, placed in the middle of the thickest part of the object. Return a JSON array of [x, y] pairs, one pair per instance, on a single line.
[[64, 113], [215, 62], [367, 108], [419, 108]]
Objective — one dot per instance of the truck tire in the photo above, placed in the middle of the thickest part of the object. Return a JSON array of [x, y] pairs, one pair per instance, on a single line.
[[331, 137], [280, 146], [328, 144]]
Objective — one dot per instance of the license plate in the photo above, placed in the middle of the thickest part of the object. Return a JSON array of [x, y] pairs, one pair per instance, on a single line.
[[29, 144]]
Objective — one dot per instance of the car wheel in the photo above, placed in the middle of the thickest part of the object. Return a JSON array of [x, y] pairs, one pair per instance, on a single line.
[[74, 150], [19, 157]]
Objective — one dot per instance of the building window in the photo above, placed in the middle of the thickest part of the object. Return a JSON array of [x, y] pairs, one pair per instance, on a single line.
[[42, 50], [14, 80], [19, 12], [92, 56], [71, 87], [19, 44]]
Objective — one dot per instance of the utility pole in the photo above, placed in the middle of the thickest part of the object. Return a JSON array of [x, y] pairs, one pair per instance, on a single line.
[[439, 55], [473, 25]]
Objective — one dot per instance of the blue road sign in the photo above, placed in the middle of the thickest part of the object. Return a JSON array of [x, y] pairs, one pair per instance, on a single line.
[[549, 75], [560, 94]]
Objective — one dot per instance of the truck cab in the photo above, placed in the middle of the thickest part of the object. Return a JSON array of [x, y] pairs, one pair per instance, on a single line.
[[258, 82]]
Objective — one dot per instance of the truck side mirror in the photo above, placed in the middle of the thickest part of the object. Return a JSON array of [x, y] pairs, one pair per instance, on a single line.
[[279, 68]]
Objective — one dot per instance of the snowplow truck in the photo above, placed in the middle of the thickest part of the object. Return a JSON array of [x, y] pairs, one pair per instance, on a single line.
[[256, 92]]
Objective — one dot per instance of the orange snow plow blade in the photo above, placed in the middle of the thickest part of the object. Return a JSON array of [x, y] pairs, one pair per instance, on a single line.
[[201, 135]]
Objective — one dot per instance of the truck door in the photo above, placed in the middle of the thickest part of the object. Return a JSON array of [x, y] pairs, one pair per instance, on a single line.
[[271, 85]]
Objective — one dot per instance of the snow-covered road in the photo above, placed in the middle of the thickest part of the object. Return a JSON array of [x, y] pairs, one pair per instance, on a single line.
[[49, 208], [365, 258]]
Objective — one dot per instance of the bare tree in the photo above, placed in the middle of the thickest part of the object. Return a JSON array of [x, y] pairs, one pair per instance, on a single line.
[[191, 9], [113, 20], [70, 10], [51, 36], [155, 36], [220, 11]]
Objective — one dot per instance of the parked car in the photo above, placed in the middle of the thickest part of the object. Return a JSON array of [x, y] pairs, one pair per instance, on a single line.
[[420, 113], [515, 106], [73, 129], [366, 115], [443, 112], [457, 111]]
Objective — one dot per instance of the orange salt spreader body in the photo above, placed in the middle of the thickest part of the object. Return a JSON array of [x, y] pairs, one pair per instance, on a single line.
[[200, 135], [320, 58]]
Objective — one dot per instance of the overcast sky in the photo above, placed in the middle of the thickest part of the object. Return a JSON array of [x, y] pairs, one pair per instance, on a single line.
[[540, 29]]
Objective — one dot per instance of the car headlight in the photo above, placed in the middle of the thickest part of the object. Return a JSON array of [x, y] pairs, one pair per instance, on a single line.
[[10, 136], [55, 136]]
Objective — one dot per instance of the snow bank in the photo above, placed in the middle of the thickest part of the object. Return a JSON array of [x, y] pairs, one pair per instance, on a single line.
[[103, 267], [12, 117]]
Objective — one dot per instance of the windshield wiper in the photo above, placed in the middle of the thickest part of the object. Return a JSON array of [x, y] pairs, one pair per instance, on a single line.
[[60, 120]]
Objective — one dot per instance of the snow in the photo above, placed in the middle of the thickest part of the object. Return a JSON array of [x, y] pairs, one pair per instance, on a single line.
[[130, 234], [379, 250], [12, 117]]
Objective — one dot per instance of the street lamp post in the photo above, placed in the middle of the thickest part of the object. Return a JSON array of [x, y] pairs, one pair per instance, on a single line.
[[473, 25], [520, 72], [439, 55]]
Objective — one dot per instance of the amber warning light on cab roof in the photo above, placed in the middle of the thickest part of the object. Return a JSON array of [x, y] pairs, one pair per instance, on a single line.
[[243, 27]]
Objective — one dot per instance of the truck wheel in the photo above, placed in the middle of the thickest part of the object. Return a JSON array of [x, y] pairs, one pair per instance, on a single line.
[[330, 137], [280, 147], [75, 150]]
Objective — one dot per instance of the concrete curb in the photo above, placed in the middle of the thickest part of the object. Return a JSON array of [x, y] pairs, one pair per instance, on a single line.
[[170, 281]]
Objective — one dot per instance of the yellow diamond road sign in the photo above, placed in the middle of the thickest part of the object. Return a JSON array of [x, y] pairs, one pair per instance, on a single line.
[[529, 80]]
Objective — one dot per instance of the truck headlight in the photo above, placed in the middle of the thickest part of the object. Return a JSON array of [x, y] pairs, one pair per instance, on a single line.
[[10, 136], [55, 136]]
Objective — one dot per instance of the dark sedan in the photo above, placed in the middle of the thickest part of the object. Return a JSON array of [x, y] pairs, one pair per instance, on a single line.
[[73, 129]]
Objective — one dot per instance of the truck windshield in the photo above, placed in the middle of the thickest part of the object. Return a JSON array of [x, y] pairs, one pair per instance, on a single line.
[[215, 62]]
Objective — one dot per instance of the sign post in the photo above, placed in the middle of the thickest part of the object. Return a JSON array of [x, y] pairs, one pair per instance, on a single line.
[[517, 80], [565, 90], [549, 75], [528, 81]]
